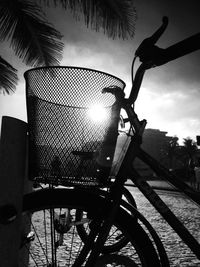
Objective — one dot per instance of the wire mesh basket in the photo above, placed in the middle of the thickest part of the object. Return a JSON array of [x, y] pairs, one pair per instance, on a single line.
[[72, 125]]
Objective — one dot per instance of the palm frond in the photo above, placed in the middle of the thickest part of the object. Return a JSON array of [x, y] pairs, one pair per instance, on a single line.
[[33, 39], [116, 17], [8, 77]]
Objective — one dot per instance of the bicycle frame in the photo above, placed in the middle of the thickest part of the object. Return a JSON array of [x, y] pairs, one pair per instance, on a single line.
[[134, 151]]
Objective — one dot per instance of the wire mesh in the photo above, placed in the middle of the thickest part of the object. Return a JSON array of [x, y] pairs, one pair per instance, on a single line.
[[66, 144]]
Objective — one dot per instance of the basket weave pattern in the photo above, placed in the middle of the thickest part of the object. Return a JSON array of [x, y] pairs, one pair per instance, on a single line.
[[63, 139]]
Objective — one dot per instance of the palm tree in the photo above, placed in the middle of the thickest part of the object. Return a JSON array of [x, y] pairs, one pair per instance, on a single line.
[[31, 37], [189, 153], [172, 148], [8, 76], [190, 148], [37, 43]]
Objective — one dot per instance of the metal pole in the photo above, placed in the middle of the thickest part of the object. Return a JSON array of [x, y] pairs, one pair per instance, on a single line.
[[12, 173]]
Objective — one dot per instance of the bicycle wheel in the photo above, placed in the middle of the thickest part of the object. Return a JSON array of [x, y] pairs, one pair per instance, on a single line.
[[115, 240], [51, 237]]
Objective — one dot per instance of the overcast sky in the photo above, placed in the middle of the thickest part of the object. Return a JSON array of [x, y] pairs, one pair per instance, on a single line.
[[170, 95]]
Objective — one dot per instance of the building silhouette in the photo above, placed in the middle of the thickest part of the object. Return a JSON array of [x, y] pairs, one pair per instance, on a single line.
[[155, 143]]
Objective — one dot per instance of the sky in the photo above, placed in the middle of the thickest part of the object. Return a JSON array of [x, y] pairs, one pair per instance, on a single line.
[[170, 94]]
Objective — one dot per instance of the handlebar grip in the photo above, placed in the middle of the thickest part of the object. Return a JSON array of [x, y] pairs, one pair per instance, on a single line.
[[179, 49]]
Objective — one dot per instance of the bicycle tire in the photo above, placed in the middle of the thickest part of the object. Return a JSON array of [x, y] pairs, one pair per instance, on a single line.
[[128, 197], [80, 199], [118, 241]]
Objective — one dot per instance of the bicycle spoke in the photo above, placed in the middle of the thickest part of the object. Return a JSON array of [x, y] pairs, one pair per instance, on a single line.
[[53, 238], [40, 242], [70, 248]]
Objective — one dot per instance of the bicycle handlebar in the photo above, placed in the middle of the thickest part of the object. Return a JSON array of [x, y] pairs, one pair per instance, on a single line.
[[179, 49], [149, 52], [147, 49], [151, 55]]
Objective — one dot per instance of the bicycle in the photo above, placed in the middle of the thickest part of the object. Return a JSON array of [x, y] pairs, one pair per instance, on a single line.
[[107, 210]]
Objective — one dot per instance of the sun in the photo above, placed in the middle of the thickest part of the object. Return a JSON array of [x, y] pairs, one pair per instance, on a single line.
[[97, 113]]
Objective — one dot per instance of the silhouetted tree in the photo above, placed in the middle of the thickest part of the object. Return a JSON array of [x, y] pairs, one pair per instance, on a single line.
[[8, 76], [37, 43], [172, 148], [31, 37], [189, 153], [190, 148]]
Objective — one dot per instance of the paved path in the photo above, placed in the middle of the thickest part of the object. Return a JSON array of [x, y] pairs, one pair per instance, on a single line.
[[158, 184], [179, 254]]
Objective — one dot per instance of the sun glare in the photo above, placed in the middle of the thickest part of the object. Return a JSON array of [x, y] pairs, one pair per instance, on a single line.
[[97, 113]]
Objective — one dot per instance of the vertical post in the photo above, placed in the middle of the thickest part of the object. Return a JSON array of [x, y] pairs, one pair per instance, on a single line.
[[12, 173]]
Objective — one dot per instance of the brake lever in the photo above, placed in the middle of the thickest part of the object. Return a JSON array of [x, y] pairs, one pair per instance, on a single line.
[[147, 50], [115, 90]]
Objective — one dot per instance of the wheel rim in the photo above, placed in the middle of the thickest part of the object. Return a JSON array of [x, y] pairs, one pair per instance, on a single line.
[[69, 245], [115, 241]]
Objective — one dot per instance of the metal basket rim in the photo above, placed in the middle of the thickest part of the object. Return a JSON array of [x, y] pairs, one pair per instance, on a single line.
[[78, 68]]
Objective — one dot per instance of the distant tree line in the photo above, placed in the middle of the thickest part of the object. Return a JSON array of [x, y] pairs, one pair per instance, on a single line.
[[181, 158]]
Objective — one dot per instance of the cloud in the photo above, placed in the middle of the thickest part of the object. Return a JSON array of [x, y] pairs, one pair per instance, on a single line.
[[169, 96], [81, 56], [176, 112]]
